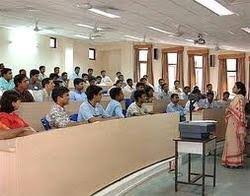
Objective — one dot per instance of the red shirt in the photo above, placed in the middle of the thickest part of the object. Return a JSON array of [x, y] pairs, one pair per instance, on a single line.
[[12, 120]]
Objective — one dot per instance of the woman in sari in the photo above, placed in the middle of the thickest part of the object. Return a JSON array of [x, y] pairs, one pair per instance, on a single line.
[[233, 153]]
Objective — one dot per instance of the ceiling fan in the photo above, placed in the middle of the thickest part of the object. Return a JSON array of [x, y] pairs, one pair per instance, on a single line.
[[38, 28]]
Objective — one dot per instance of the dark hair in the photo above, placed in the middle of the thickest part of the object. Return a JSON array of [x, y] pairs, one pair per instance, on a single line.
[[103, 71], [138, 94], [6, 101], [58, 92], [174, 95], [84, 74], [118, 81], [1, 65], [209, 85], [52, 76], [92, 78], [21, 70], [77, 81], [5, 71], [41, 67], [90, 69], [176, 81], [121, 76], [242, 88], [18, 79], [148, 88], [34, 72], [91, 91], [187, 87], [196, 91], [118, 73], [77, 68], [115, 92], [165, 84], [140, 84], [129, 80], [160, 80], [45, 81], [64, 73], [226, 93], [143, 79], [98, 77], [56, 68]]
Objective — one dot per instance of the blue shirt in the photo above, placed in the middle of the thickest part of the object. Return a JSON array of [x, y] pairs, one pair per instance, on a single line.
[[114, 108], [88, 111], [5, 85], [175, 108], [77, 96]]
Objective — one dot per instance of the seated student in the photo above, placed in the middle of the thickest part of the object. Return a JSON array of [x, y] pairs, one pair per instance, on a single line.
[[105, 78], [117, 75], [114, 107], [139, 86], [210, 90], [225, 101], [57, 116], [118, 84], [173, 106], [176, 89], [99, 81], [23, 71], [92, 81], [85, 78], [78, 93], [56, 80], [92, 110], [7, 133], [121, 78], [48, 86], [42, 75], [21, 86], [76, 74], [129, 88], [57, 70], [137, 108], [6, 82], [194, 96], [147, 83], [10, 120], [149, 94], [90, 73], [158, 88], [35, 83], [185, 93], [64, 80], [208, 102], [165, 94]]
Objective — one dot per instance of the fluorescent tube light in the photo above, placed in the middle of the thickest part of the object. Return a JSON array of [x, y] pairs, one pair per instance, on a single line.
[[106, 14], [246, 29], [88, 26], [82, 36], [215, 7], [161, 31], [189, 40], [133, 37]]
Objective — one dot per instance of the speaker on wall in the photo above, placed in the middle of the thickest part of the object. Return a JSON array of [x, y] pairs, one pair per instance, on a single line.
[[212, 60], [155, 53]]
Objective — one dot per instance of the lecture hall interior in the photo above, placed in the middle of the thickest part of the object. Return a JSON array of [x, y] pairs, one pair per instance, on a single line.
[[124, 97]]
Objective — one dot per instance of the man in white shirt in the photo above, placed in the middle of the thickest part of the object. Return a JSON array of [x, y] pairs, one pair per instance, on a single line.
[[105, 79], [48, 86], [176, 89], [158, 88], [76, 74], [146, 82], [117, 76], [137, 108], [208, 102], [164, 94], [225, 100], [129, 88], [185, 93], [42, 73]]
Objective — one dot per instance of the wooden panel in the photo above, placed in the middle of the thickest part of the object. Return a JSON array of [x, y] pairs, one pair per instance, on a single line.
[[231, 56], [80, 160]]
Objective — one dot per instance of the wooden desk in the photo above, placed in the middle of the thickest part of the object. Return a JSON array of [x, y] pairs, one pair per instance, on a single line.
[[81, 160]]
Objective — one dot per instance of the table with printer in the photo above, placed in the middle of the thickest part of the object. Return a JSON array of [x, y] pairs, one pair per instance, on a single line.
[[196, 137]]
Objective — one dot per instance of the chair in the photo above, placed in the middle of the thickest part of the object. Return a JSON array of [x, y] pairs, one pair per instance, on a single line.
[[73, 117], [45, 124]]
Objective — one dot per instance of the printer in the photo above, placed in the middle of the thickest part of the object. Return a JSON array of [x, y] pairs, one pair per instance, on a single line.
[[201, 129]]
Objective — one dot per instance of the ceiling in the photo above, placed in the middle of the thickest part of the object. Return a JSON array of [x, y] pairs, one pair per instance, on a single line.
[[61, 17]]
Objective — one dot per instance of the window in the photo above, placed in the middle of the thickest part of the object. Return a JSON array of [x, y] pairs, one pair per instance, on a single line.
[[231, 74], [172, 63], [52, 42], [143, 61], [92, 54], [198, 61]]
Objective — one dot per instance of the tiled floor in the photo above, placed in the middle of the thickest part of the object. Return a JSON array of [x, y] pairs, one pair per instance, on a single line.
[[230, 182]]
